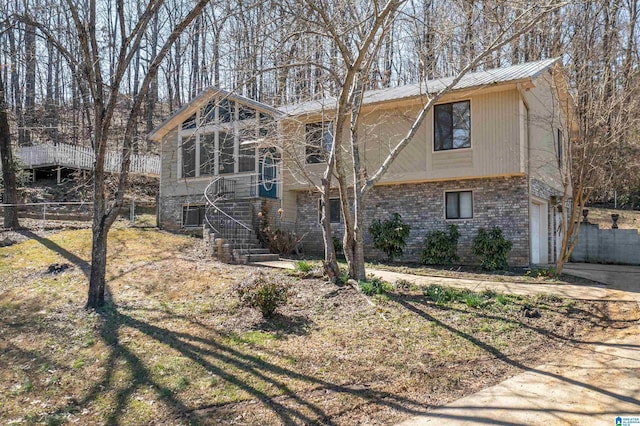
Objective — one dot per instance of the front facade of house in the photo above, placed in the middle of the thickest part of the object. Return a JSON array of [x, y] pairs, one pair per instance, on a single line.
[[488, 154]]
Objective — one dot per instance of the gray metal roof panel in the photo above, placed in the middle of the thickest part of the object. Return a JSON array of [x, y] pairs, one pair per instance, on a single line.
[[527, 70]]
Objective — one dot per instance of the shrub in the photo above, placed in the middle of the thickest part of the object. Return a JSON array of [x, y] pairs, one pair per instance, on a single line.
[[440, 248], [491, 248], [263, 292], [390, 235], [374, 285], [337, 245], [280, 241], [302, 266]]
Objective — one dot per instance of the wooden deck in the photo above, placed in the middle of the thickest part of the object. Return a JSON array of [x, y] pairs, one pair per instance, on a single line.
[[81, 157]]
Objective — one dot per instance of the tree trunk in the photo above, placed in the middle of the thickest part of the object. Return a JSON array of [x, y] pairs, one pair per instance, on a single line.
[[30, 81], [97, 280], [8, 168]]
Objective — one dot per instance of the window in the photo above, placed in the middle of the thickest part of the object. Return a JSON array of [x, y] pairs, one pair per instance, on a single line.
[[452, 126], [247, 151], [334, 210], [189, 157], [207, 154], [226, 163], [208, 113], [225, 111], [189, 123], [459, 205], [319, 138], [559, 150], [192, 216], [246, 113], [214, 142]]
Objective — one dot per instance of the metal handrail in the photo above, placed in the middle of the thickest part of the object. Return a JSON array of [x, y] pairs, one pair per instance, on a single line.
[[226, 226], [213, 204]]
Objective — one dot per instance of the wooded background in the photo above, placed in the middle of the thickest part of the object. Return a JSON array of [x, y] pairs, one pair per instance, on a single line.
[[265, 51]]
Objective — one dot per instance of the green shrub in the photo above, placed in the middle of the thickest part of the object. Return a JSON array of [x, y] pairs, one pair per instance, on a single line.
[[390, 235], [302, 266], [443, 295], [374, 285], [440, 248], [263, 292], [491, 248], [337, 245]]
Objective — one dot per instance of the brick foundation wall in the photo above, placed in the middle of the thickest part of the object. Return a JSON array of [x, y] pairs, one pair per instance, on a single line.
[[170, 212], [501, 202]]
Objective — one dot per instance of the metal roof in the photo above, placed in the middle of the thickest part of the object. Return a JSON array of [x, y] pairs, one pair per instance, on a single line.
[[489, 77]]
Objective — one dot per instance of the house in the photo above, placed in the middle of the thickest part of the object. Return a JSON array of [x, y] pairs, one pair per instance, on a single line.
[[490, 153]]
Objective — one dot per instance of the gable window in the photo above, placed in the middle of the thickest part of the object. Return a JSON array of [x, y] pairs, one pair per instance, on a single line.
[[192, 215], [452, 126], [221, 139], [459, 205], [334, 210], [319, 138]]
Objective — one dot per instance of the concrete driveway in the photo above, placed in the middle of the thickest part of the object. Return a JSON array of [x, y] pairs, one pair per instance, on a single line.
[[592, 384]]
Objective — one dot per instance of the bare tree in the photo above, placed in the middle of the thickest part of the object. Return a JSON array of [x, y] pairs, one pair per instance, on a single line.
[[8, 166], [358, 32]]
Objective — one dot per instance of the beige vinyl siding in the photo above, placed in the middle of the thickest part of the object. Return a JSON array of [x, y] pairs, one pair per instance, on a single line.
[[545, 117], [495, 134], [495, 141], [289, 206]]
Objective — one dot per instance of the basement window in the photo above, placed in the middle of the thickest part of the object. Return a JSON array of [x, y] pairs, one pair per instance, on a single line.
[[192, 216]]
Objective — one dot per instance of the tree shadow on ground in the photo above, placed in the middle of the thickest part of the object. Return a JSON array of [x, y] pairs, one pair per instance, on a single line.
[[244, 370], [84, 266], [418, 305]]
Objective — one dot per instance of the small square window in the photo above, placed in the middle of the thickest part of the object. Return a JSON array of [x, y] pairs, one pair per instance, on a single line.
[[334, 210], [459, 205], [192, 216]]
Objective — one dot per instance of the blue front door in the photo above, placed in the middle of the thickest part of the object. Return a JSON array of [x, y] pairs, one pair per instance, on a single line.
[[268, 174]]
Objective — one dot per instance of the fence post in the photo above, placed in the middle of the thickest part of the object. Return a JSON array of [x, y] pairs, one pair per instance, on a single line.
[[44, 215], [132, 211]]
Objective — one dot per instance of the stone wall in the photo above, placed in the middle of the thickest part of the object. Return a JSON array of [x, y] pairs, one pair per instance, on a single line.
[[501, 202]]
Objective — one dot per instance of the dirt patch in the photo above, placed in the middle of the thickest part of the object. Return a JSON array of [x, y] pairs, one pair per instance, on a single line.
[[176, 347]]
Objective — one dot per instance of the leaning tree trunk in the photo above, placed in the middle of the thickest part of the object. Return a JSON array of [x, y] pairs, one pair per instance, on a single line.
[[8, 168]]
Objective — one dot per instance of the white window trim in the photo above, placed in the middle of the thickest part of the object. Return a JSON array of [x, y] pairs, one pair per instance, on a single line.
[[216, 127]]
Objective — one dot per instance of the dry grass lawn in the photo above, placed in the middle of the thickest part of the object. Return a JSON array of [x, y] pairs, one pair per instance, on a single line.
[[174, 347]]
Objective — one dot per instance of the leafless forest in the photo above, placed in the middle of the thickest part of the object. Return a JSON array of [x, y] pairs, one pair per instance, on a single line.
[[277, 53]]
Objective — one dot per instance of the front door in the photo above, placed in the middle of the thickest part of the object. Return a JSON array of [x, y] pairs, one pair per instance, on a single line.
[[267, 181]]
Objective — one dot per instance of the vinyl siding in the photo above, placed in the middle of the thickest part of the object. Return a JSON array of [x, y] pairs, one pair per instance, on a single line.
[[496, 150]]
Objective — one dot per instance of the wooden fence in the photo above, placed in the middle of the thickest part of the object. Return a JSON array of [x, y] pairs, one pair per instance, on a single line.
[[81, 157]]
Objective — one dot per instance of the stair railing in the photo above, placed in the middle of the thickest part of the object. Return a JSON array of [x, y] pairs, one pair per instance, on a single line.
[[221, 223]]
